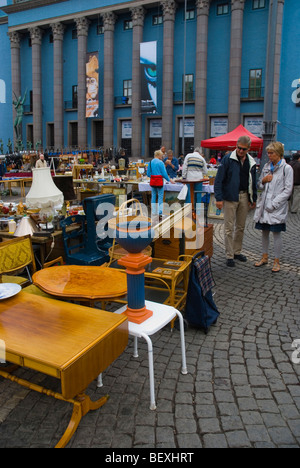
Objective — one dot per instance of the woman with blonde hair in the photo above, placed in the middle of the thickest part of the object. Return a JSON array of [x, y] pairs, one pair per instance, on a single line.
[[157, 172], [276, 185]]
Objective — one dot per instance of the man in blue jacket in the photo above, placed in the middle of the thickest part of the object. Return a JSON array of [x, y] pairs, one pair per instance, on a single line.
[[235, 191]]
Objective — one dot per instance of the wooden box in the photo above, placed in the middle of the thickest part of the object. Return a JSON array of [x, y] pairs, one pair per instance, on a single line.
[[172, 247]]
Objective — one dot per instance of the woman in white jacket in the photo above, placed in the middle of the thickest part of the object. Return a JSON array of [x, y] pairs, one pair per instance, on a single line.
[[276, 183]]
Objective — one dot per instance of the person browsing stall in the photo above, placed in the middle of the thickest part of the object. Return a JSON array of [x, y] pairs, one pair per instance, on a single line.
[[157, 172], [236, 192], [276, 184], [295, 198], [194, 166], [41, 162], [171, 164]]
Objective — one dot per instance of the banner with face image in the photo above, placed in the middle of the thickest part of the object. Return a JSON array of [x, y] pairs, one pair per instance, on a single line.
[[92, 84], [148, 63]]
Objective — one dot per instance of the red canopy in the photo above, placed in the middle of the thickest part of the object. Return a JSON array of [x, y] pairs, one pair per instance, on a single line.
[[229, 140]]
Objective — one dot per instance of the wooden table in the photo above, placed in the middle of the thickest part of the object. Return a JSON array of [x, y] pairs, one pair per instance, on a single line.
[[18, 181], [81, 282], [67, 341]]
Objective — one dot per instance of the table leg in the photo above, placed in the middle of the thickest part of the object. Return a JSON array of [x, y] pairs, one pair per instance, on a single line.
[[82, 404]]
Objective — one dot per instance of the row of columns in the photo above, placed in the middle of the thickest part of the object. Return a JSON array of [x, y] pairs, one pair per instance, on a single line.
[[109, 19]]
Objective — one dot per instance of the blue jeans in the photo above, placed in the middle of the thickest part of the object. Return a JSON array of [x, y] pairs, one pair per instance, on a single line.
[[157, 193]]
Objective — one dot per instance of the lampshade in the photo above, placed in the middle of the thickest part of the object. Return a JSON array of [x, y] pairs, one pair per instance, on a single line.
[[25, 227], [43, 192]]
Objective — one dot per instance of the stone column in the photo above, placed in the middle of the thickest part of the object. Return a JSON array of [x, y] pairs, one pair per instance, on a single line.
[[138, 14], [169, 9], [15, 69], [82, 33], [235, 66], [108, 81], [58, 108], [201, 71], [36, 42], [272, 75], [277, 56]]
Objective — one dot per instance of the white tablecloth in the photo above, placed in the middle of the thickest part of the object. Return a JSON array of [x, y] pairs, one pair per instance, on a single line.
[[168, 187]]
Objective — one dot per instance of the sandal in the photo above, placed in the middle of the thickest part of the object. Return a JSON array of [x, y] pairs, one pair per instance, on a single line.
[[263, 261], [276, 266]]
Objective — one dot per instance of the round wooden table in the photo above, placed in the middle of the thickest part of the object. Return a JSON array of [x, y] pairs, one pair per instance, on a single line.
[[82, 283]]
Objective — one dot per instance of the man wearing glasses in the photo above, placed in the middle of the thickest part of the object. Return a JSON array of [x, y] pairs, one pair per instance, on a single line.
[[235, 192]]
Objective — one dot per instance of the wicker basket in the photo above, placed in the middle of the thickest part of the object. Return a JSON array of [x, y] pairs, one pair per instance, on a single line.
[[134, 212]]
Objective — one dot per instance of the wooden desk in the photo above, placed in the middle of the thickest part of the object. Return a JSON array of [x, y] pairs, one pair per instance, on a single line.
[[67, 341], [80, 282]]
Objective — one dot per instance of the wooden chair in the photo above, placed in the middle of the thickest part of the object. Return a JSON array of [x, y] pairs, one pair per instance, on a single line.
[[77, 249], [16, 255]]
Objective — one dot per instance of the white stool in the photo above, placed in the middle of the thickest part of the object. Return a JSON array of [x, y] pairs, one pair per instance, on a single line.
[[162, 315]]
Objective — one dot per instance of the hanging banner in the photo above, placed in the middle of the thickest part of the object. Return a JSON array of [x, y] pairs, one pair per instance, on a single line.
[[126, 129], [189, 127], [148, 63], [255, 125], [218, 126], [155, 128], [92, 85]]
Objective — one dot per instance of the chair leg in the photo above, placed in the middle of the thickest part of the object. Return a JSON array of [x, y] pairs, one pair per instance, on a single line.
[[99, 381], [182, 339], [151, 371], [135, 347]]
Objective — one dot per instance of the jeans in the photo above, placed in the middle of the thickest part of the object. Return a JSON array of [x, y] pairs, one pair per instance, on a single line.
[[157, 193]]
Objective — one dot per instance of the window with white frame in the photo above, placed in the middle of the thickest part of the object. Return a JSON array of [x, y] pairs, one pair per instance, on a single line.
[[223, 9], [258, 4], [127, 91]]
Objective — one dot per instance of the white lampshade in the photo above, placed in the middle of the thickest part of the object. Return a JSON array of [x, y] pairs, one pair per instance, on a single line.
[[25, 227], [43, 192]]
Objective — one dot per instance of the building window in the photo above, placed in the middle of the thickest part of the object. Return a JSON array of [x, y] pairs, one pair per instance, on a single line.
[[223, 9], [190, 14], [157, 19], [258, 4], [255, 83], [127, 92], [127, 25], [74, 96], [74, 33], [188, 87], [51, 38], [100, 29]]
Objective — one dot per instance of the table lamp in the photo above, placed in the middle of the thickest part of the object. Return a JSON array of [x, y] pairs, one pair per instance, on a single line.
[[44, 194], [135, 236], [26, 226]]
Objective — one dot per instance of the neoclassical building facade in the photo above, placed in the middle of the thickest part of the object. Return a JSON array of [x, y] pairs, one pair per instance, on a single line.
[[218, 64]]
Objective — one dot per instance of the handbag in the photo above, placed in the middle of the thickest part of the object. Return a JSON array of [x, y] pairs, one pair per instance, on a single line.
[[156, 180]]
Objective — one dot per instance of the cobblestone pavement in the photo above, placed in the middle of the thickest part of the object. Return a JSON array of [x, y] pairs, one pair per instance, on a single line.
[[242, 387]]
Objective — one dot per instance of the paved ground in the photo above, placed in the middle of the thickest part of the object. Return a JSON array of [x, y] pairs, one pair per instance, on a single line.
[[242, 387]]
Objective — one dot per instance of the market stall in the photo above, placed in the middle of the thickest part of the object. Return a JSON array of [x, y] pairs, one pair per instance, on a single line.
[[229, 140]]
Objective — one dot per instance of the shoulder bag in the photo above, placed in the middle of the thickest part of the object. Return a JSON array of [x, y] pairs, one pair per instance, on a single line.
[[156, 180]]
